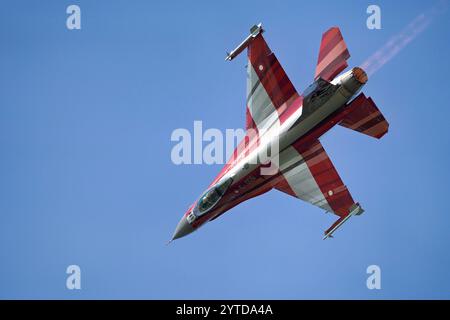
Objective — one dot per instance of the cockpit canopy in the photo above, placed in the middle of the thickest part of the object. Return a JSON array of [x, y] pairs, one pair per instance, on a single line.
[[211, 196]]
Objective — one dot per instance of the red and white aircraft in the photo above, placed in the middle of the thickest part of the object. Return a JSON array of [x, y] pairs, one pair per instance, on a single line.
[[277, 115]]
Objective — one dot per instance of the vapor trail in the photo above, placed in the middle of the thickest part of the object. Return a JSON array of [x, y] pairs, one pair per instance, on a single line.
[[399, 41]]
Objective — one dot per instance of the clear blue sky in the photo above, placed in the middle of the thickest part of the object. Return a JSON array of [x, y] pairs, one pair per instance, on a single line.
[[86, 176]]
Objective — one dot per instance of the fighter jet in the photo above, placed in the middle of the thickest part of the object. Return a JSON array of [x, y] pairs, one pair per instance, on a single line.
[[281, 149]]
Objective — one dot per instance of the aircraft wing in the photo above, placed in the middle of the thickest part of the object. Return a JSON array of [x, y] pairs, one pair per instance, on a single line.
[[271, 96], [270, 93], [309, 175]]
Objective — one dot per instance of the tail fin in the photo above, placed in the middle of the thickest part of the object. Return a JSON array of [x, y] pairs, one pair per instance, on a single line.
[[365, 117], [333, 55]]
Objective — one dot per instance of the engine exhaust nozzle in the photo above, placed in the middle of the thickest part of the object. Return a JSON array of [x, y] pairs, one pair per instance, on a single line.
[[352, 81], [360, 75]]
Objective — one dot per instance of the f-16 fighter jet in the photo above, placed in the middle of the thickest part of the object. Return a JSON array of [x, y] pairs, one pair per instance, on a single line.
[[281, 149]]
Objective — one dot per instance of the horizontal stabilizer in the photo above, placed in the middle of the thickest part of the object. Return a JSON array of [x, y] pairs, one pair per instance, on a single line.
[[365, 118]]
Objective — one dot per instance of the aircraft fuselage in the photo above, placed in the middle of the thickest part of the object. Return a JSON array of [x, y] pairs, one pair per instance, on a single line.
[[319, 111]]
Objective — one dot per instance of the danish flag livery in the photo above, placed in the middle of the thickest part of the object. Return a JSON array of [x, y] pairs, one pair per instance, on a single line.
[[281, 149]]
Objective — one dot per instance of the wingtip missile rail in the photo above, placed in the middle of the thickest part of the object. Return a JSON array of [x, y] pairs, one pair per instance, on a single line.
[[254, 32]]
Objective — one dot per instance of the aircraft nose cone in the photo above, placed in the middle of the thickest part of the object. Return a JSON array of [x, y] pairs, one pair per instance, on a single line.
[[183, 228]]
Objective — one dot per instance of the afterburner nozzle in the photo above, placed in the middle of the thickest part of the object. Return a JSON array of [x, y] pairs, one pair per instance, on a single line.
[[360, 75], [352, 81]]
